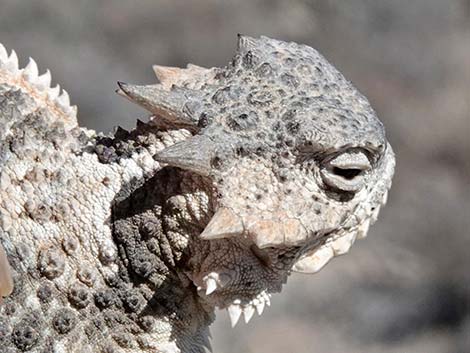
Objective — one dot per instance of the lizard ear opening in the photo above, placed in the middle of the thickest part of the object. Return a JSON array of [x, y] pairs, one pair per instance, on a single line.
[[6, 281]]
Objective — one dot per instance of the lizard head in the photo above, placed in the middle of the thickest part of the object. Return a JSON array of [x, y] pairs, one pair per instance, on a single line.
[[295, 156]]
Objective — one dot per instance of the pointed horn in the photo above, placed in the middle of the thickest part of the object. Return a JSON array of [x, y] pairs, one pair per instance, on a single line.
[[175, 76], [172, 105], [223, 224], [267, 232], [166, 73], [342, 245], [194, 154], [315, 260]]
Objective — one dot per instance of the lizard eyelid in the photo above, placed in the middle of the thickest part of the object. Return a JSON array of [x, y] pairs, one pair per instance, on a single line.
[[351, 160], [345, 172]]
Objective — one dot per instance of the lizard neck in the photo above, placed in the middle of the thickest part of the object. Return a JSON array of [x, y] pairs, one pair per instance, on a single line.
[[156, 229]]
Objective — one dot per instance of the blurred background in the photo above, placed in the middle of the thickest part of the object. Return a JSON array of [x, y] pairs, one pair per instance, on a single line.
[[404, 289]]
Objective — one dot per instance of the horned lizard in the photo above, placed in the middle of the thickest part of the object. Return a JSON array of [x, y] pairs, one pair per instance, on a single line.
[[128, 242]]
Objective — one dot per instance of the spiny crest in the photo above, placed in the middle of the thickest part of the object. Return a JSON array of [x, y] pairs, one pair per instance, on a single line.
[[37, 85]]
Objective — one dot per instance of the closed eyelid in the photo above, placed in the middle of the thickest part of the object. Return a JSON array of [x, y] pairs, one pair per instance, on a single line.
[[351, 160]]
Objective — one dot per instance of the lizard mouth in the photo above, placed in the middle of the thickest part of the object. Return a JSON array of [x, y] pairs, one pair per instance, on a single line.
[[240, 275], [236, 273]]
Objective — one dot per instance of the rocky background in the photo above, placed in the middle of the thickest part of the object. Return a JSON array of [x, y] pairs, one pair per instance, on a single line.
[[404, 289]]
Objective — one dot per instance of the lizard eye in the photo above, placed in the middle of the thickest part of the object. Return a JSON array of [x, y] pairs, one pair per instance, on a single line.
[[345, 172]]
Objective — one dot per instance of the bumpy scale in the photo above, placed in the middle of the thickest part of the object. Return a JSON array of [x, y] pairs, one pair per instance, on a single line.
[[126, 243]]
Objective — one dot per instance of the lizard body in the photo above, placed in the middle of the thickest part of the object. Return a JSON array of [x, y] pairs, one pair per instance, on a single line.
[[128, 242]]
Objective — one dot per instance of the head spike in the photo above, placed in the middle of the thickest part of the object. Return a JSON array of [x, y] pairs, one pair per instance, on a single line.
[[166, 73], [171, 105], [194, 154], [315, 260], [223, 224]]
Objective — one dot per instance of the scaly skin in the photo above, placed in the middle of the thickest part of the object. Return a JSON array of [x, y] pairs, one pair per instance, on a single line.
[[127, 243]]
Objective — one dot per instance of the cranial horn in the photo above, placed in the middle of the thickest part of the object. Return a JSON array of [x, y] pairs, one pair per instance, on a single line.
[[194, 154], [314, 260], [192, 74], [167, 73], [172, 105], [224, 224]]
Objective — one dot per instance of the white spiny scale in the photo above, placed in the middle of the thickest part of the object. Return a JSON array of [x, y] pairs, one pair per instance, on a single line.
[[342, 245], [260, 307], [73, 110], [44, 81], [384, 198], [211, 285], [375, 214], [268, 298], [363, 228], [234, 312], [70, 110], [11, 63], [248, 312], [3, 53], [31, 72], [63, 100], [53, 93]]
